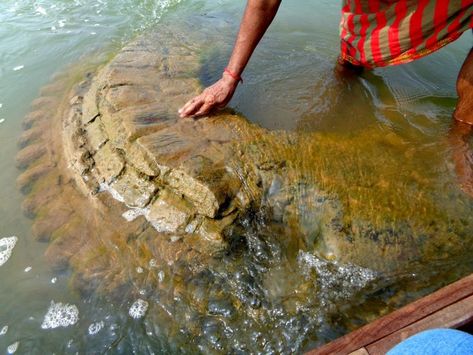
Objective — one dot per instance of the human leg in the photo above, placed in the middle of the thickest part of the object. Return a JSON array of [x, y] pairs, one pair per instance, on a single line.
[[464, 109]]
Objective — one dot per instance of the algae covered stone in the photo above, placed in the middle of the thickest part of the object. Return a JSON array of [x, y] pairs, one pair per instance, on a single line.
[[238, 238]]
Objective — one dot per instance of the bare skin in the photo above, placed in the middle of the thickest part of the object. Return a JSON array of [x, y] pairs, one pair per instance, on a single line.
[[464, 109], [462, 155], [257, 17]]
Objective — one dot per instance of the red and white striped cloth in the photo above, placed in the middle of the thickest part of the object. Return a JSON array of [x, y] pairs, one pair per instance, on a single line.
[[376, 33]]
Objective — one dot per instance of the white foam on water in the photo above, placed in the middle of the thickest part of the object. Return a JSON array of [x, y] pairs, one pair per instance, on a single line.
[[54, 280], [60, 315], [4, 330], [1, 105], [6, 248], [112, 191], [134, 213], [28, 269], [335, 280], [94, 328], [138, 309], [41, 10], [19, 67], [2, 120], [13, 348]]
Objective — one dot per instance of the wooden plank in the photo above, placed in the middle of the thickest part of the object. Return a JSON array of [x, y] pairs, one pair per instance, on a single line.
[[361, 351], [401, 318], [453, 316]]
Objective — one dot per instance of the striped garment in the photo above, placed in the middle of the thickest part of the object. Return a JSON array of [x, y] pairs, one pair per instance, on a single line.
[[376, 33]]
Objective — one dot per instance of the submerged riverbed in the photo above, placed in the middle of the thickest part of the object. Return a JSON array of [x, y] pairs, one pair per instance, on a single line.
[[382, 143]]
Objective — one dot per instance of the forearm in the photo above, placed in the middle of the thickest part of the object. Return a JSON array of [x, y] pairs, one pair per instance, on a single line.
[[257, 17]]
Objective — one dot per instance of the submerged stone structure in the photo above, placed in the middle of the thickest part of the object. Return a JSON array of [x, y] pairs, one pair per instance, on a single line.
[[136, 200]]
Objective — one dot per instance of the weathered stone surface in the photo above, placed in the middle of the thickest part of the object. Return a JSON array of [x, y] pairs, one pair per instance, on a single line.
[[129, 77], [29, 155], [202, 184], [33, 118], [29, 136], [147, 119], [208, 216], [213, 230], [121, 130], [95, 135], [137, 58], [29, 177], [43, 101], [90, 109], [135, 190], [121, 97], [141, 161], [170, 213], [108, 164]]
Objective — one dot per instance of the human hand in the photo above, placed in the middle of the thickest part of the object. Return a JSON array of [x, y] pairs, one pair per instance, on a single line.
[[214, 97]]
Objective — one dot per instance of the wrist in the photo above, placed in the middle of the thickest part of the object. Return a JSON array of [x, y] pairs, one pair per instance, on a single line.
[[231, 77], [229, 81]]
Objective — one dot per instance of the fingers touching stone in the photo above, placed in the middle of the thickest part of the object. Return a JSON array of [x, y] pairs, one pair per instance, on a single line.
[[191, 107]]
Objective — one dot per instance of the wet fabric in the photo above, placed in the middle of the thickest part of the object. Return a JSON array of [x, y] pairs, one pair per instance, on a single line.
[[436, 342], [376, 33]]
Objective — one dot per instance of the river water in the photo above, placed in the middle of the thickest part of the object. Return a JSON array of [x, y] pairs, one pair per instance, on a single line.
[[289, 85]]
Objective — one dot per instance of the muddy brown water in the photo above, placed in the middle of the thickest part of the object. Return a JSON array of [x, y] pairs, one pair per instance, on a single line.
[[382, 144]]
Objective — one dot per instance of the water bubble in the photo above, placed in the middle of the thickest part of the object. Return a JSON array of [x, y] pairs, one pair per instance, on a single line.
[[94, 328], [60, 315], [4, 330], [161, 276], [19, 67], [2, 120], [138, 309], [28, 269], [6, 248], [54, 280], [153, 263], [341, 280], [223, 307], [13, 348]]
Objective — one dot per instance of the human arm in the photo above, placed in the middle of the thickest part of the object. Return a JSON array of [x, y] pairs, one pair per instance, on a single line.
[[257, 17]]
